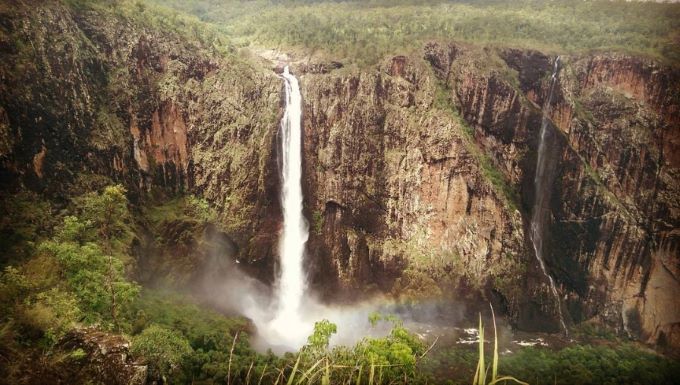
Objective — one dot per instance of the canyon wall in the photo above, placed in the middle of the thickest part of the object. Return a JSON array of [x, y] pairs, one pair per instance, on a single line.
[[613, 236], [398, 195], [422, 170], [97, 96]]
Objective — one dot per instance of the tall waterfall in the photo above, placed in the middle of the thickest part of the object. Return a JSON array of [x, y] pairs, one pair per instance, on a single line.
[[545, 170], [292, 281]]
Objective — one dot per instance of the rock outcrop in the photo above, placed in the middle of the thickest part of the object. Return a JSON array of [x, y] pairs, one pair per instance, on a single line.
[[84, 355], [106, 359]]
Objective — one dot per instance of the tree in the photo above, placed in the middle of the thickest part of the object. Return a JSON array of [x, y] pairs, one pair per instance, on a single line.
[[108, 215], [91, 251], [97, 279], [319, 340], [164, 350], [110, 218]]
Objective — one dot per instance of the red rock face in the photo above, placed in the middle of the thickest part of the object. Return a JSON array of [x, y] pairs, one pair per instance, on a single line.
[[163, 146], [615, 206], [394, 184], [387, 171]]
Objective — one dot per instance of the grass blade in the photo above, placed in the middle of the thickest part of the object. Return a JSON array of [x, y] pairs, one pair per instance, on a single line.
[[494, 367], [262, 374], [306, 374], [248, 374], [507, 378], [231, 354], [292, 374], [326, 379], [482, 366]]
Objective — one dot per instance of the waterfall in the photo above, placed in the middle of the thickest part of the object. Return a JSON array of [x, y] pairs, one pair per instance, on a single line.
[[545, 168], [291, 283]]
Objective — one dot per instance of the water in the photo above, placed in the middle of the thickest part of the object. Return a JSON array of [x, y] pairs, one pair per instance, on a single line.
[[291, 283], [545, 168]]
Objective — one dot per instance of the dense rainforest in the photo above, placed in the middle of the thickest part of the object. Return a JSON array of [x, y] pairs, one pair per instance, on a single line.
[[339, 192]]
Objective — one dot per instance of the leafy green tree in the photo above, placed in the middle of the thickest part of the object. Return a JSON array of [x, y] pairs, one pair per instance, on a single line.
[[96, 279], [396, 353], [164, 350], [91, 250], [320, 338], [108, 216]]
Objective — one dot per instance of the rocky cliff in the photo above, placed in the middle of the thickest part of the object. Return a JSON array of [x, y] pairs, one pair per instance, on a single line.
[[613, 234], [99, 94], [418, 172], [398, 193], [420, 176]]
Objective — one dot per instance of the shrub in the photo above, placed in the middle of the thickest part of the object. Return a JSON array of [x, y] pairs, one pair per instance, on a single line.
[[163, 349]]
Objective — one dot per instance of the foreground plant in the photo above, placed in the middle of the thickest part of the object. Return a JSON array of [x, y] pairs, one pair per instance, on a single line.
[[483, 370]]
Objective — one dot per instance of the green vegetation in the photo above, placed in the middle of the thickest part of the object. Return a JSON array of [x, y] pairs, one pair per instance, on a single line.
[[76, 276], [389, 359], [589, 364], [182, 208], [159, 18], [317, 221], [574, 365], [164, 350], [365, 31]]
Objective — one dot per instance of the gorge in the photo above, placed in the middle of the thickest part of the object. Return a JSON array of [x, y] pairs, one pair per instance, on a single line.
[[262, 187]]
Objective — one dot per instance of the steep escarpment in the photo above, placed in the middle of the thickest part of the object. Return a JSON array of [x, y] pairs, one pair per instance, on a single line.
[[628, 140], [397, 190], [97, 95], [612, 236], [421, 176]]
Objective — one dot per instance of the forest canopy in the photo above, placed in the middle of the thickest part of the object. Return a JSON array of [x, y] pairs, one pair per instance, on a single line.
[[365, 31]]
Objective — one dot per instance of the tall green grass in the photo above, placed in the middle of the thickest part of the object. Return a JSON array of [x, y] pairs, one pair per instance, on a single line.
[[482, 371]]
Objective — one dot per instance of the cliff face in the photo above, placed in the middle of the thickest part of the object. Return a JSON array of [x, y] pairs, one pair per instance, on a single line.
[[613, 236], [402, 195], [419, 172], [397, 195], [619, 115], [95, 96]]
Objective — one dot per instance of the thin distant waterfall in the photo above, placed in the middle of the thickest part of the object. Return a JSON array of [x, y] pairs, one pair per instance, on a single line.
[[545, 169], [292, 281]]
